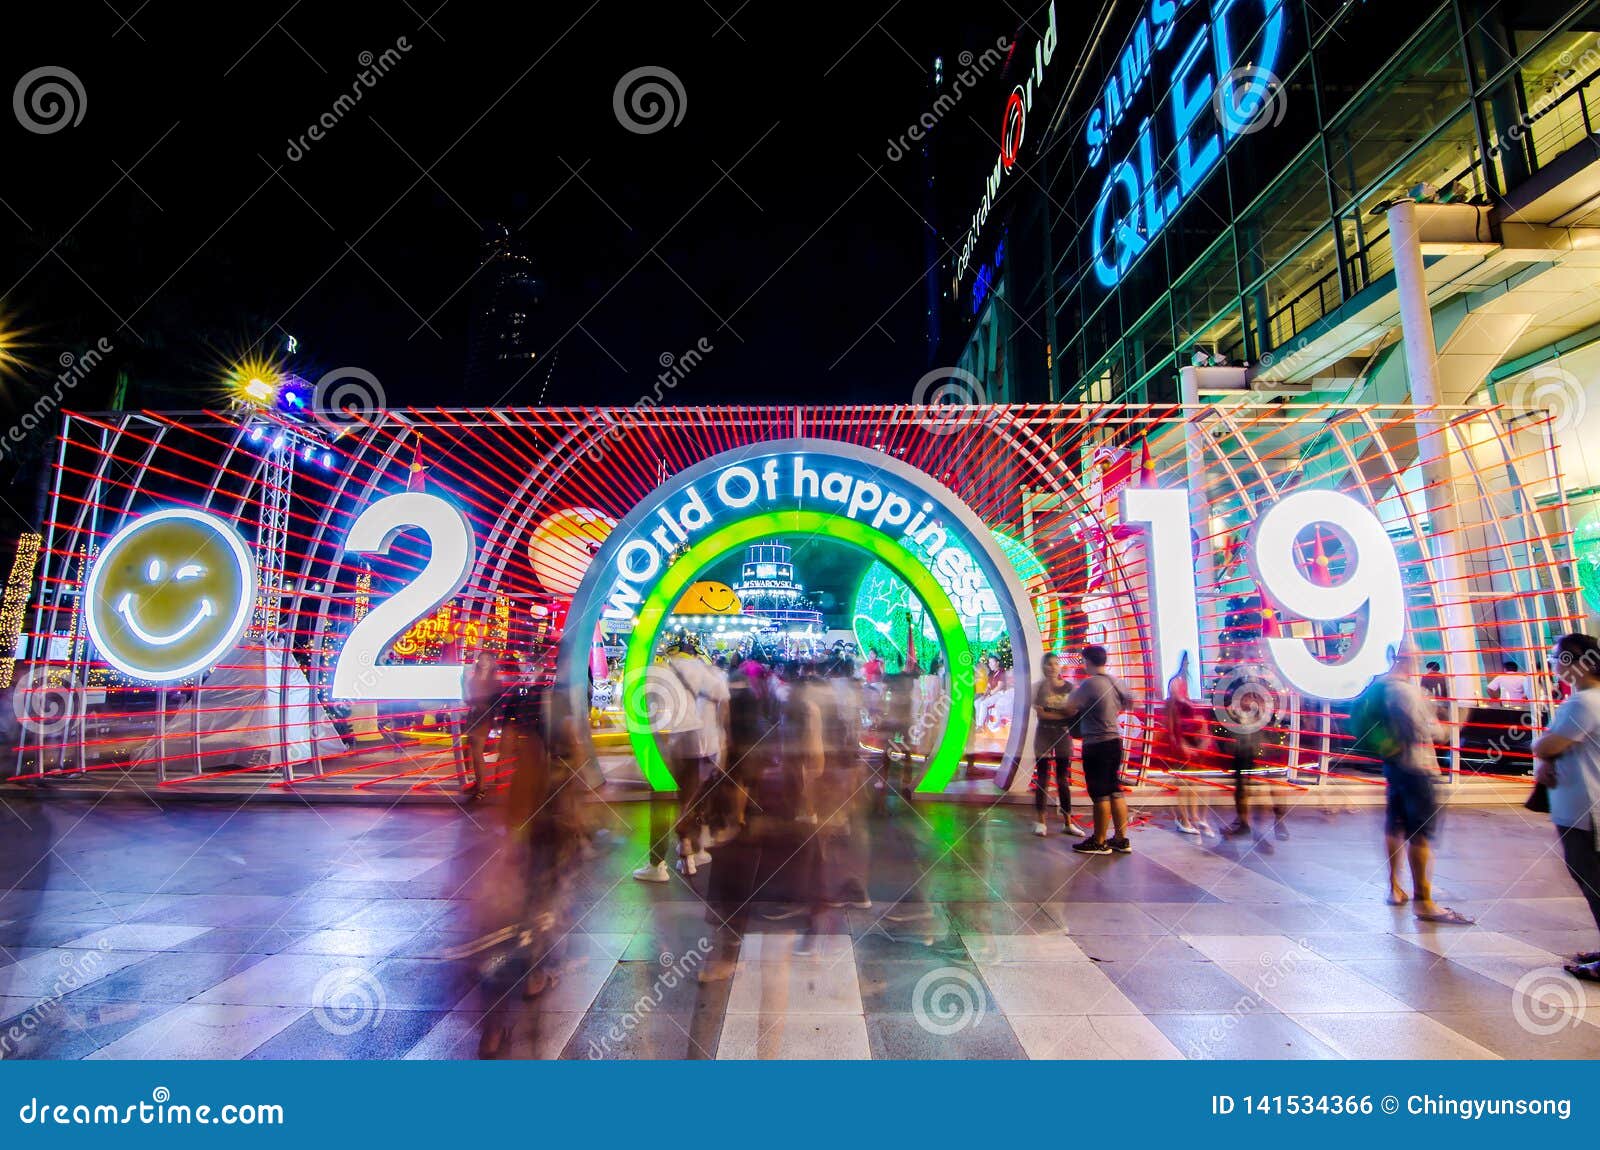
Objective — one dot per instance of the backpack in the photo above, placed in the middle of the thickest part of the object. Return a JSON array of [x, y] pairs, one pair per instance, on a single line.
[[1372, 724]]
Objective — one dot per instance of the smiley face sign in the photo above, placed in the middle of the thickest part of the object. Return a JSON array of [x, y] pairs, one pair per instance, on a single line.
[[169, 595]]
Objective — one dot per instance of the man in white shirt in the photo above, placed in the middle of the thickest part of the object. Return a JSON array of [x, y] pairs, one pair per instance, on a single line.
[[1568, 763], [688, 703], [1511, 686]]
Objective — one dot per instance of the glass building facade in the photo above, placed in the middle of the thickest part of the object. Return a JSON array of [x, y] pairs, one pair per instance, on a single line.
[[1217, 183]]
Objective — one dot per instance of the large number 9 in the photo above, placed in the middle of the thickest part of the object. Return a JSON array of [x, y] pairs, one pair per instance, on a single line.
[[356, 674], [1372, 581]]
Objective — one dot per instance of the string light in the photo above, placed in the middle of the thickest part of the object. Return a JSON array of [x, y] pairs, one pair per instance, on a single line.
[[15, 604]]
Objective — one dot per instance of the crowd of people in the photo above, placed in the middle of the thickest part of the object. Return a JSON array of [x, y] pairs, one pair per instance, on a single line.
[[778, 781]]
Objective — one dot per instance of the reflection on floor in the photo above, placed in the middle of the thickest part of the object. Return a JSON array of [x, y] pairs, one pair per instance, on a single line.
[[323, 932]]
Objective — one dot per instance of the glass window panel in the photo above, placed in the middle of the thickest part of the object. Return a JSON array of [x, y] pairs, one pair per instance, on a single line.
[[1300, 291], [1211, 288], [1423, 89], [1292, 208]]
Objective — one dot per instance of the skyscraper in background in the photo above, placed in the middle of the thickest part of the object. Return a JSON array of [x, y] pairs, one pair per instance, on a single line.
[[501, 342]]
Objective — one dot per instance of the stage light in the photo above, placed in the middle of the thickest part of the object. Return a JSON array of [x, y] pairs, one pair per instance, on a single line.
[[255, 435], [258, 390], [277, 443], [327, 459]]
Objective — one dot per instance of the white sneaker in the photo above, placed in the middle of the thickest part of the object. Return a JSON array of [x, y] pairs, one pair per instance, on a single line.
[[1040, 829], [1073, 829], [702, 857], [1186, 828], [686, 866], [655, 873]]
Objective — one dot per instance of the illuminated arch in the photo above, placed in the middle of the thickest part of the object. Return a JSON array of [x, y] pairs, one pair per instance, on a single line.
[[964, 527], [946, 758]]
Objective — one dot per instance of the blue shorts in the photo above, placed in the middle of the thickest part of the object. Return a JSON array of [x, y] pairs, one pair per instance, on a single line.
[[1413, 804]]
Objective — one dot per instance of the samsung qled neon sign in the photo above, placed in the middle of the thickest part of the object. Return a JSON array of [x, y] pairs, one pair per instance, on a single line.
[[1156, 164]]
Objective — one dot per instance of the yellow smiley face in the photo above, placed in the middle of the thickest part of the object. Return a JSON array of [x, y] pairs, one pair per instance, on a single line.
[[169, 595], [707, 597]]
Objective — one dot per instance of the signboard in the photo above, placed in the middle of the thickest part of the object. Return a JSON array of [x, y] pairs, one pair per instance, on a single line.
[[1206, 79]]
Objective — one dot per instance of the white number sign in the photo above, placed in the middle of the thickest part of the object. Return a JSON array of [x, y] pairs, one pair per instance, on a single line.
[[356, 674]]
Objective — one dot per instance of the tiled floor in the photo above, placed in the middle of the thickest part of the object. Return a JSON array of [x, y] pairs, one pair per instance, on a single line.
[[201, 931]]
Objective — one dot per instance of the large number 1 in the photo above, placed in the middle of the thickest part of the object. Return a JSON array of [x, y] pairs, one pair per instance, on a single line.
[[1169, 578], [356, 674]]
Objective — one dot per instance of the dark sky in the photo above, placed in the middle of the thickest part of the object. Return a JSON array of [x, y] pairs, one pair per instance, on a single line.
[[768, 221]]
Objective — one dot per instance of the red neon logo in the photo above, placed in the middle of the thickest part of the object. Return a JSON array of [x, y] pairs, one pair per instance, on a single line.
[[1011, 126]]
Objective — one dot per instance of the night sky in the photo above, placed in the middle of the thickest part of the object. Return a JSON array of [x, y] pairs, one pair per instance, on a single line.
[[768, 221]]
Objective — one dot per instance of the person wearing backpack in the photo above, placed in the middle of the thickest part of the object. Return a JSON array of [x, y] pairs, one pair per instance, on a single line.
[[1397, 723]]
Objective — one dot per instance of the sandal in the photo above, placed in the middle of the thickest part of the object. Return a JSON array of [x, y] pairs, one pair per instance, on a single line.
[[1584, 971], [1586, 958], [1446, 917]]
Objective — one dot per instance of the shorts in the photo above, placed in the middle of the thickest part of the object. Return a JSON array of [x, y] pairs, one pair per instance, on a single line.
[[1413, 805], [1102, 768]]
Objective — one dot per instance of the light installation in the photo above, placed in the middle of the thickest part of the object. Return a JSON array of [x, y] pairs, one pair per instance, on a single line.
[[1279, 480], [883, 605], [946, 758], [169, 594]]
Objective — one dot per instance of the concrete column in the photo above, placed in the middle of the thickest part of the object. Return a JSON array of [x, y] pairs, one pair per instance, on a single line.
[[1462, 663]]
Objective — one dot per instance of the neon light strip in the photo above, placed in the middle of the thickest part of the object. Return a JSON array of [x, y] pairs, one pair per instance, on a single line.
[[958, 652]]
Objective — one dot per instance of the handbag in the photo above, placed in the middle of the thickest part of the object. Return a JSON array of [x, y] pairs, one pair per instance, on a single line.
[[1539, 799]]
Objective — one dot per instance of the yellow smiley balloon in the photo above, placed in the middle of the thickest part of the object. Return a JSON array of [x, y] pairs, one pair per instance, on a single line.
[[169, 594]]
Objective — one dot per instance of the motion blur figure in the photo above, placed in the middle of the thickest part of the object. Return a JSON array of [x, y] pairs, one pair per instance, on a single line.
[[484, 691], [1179, 746], [526, 911]]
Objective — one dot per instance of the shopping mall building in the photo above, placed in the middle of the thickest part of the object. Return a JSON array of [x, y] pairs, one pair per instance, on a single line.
[[1357, 202]]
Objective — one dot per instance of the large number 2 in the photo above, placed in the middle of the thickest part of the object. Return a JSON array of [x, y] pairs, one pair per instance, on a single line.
[[356, 674]]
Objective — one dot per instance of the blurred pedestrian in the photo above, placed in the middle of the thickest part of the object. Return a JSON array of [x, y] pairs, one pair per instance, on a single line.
[[1397, 723], [1178, 745], [484, 692], [1052, 747]]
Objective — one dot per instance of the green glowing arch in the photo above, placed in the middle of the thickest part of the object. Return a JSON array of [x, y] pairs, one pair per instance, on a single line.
[[947, 756]]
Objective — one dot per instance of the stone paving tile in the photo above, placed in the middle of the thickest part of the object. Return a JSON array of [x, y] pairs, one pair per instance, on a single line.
[[982, 942]]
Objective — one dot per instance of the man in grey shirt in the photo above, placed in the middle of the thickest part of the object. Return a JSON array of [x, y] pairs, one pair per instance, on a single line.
[[1568, 757], [1094, 706]]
